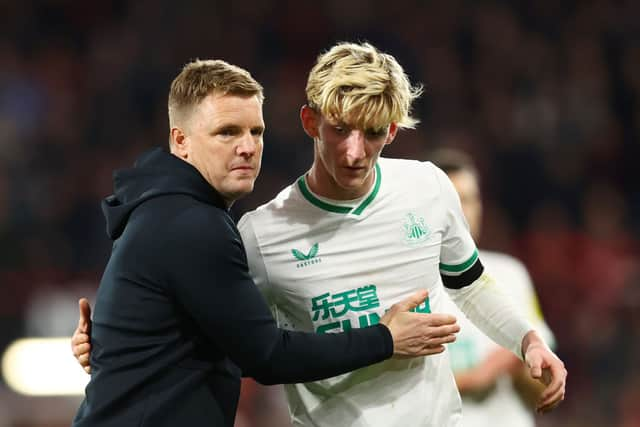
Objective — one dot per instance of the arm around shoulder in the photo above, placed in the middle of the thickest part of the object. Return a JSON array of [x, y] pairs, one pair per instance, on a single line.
[[211, 280]]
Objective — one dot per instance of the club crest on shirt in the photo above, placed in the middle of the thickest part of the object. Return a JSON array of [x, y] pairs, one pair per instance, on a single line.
[[307, 259], [415, 230]]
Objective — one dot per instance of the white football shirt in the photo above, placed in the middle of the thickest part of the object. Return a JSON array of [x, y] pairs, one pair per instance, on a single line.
[[472, 347], [327, 266]]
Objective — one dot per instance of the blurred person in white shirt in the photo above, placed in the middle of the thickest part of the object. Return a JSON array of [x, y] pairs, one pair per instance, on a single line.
[[494, 384]]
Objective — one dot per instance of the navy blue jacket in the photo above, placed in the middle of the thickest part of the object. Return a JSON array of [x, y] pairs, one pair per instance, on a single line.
[[177, 318]]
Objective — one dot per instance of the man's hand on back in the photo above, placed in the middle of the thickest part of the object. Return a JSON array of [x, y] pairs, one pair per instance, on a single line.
[[81, 340]]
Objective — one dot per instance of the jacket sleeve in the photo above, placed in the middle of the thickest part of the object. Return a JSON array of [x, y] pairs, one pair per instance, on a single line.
[[210, 279]]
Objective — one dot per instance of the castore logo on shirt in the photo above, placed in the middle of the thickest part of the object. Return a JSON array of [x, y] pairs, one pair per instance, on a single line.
[[309, 258]]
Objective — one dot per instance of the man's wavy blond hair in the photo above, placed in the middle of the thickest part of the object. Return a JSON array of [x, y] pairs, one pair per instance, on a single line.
[[200, 78], [359, 85]]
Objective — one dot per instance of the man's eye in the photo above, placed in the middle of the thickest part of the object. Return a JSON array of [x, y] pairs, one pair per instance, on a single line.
[[227, 132], [371, 133], [340, 129]]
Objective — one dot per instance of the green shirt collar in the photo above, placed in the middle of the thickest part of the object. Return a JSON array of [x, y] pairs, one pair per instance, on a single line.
[[355, 210]]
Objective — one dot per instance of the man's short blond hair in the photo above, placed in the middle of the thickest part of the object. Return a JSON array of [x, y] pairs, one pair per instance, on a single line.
[[200, 78], [362, 86]]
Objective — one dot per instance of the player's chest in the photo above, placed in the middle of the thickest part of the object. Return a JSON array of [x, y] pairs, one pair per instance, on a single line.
[[389, 246]]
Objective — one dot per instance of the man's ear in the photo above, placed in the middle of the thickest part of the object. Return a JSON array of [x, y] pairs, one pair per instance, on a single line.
[[179, 142], [393, 131], [310, 120]]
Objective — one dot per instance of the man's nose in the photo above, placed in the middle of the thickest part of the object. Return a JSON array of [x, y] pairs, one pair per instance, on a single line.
[[356, 145], [247, 145]]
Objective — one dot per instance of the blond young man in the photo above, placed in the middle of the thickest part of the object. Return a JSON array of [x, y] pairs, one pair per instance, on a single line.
[[177, 317], [357, 232]]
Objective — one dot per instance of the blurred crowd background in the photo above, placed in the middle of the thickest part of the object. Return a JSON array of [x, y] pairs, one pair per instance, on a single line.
[[545, 95]]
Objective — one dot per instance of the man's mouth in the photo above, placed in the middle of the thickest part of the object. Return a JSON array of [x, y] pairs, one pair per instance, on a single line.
[[355, 168]]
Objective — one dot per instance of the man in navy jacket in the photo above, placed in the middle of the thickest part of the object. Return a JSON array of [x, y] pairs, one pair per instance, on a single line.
[[177, 317]]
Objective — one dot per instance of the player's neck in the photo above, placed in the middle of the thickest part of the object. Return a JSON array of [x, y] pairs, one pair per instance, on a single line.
[[323, 184]]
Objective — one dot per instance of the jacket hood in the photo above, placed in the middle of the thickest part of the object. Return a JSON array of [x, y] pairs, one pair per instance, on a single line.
[[156, 173]]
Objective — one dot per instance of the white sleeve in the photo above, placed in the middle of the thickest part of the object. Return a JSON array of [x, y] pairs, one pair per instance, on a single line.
[[257, 267], [494, 312]]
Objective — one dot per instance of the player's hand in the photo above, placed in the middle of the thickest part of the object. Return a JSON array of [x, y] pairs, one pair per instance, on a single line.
[[81, 340], [547, 368], [418, 334]]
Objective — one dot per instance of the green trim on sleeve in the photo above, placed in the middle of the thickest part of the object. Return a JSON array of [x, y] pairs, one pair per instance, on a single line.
[[457, 268]]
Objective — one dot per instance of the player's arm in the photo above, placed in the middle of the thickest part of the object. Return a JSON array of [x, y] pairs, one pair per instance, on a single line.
[[495, 314], [412, 334], [490, 309], [481, 378], [210, 279], [440, 328]]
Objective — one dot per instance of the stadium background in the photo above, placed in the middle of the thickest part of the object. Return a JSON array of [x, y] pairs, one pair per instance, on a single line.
[[545, 95]]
